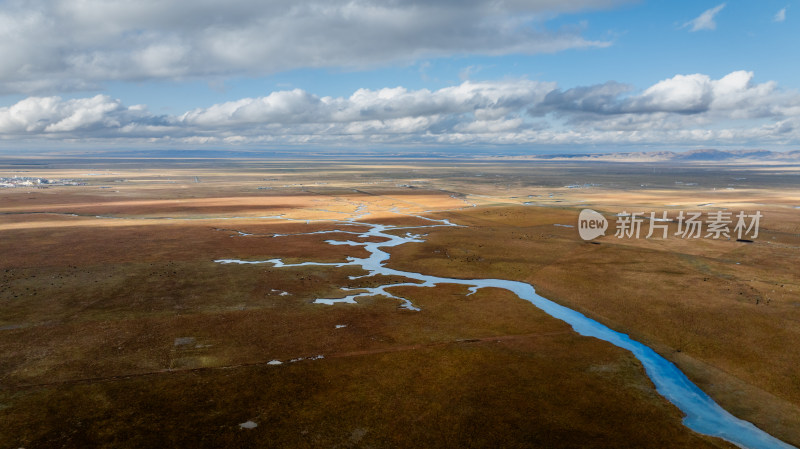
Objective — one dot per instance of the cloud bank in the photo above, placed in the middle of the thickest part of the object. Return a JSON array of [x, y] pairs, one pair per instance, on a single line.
[[689, 109], [51, 46]]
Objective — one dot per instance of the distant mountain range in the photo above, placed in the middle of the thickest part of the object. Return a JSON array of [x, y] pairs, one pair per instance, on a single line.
[[705, 155]]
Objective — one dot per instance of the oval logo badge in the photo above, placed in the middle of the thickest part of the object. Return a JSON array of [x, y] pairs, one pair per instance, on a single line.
[[591, 224]]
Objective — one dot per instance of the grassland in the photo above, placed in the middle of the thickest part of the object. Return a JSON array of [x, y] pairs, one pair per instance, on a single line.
[[119, 330]]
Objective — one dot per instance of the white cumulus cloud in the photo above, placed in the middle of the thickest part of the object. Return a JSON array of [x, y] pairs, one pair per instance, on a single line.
[[686, 109], [82, 117]]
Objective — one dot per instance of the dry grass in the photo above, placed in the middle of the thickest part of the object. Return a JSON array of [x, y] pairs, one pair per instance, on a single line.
[[726, 324], [124, 333]]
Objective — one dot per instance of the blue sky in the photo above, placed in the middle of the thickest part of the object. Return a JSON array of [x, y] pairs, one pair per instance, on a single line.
[[543, 75]]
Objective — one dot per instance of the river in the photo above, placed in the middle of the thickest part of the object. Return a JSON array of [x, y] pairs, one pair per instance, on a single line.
[[703, 415]]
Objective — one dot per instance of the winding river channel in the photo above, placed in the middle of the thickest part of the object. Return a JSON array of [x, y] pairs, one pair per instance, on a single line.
[[703, 415]]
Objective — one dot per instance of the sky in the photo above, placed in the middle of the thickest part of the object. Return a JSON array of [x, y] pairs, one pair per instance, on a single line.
[[528, 76]]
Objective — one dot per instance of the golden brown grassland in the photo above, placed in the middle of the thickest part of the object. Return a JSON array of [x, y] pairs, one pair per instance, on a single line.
[[117, 328]]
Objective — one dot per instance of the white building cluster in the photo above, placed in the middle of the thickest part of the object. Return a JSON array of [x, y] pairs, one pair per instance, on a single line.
[[27, 181]]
